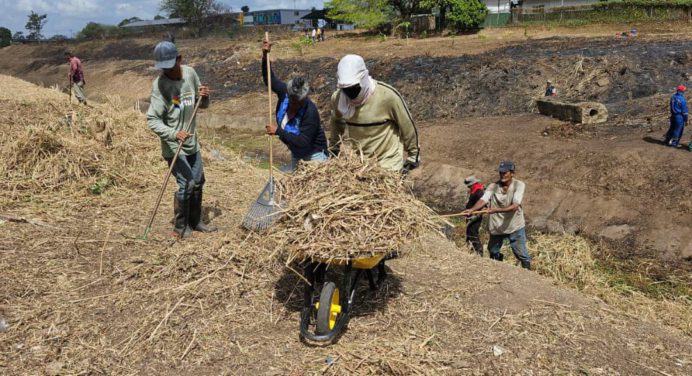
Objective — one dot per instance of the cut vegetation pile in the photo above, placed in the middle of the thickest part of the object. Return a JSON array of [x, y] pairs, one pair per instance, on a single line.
[[346, 208], [50, 145]]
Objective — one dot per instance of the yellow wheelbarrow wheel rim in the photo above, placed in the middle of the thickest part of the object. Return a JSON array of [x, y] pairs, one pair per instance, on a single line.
[[334, 308]]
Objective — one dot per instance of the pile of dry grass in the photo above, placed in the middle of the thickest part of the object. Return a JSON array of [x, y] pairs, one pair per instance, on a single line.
[[571, 260], [345, 208], [50, 145]]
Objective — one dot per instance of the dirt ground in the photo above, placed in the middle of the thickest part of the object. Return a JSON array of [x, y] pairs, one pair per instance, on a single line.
[[84, 297]]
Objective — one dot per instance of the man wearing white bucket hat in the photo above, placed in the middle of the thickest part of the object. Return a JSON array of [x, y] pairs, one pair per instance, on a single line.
[[376, 117]]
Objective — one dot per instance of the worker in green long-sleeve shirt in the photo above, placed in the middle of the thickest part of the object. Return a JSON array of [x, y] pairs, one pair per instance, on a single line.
[[173, 97]]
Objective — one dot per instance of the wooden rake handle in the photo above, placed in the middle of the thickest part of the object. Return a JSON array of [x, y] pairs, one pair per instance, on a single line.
[[269, 92], [477, 212]]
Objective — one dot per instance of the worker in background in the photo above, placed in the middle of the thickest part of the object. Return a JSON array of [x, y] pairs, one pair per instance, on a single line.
[[299, 126], [473, 223], [314, 35], [76, 77], [550, 90], [678, 117], [173, 97], [504, 199]]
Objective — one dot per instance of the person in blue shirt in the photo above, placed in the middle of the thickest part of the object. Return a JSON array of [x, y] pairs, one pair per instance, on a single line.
[[678, 117], [298, 121]]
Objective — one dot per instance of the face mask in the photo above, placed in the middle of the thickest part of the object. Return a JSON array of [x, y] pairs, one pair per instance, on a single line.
[[352, 91]]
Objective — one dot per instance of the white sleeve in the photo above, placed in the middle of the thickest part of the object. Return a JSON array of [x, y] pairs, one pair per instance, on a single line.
[[518, 193]]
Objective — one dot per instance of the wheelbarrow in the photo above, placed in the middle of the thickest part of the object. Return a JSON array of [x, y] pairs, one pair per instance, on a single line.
[[325, 315]]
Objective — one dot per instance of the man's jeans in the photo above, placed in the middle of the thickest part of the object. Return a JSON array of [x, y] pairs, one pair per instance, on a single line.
[[189, 174], [319, 156], [517, 241]]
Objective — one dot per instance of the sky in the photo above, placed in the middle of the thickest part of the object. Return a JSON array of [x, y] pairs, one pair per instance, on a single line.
[[67, 17]]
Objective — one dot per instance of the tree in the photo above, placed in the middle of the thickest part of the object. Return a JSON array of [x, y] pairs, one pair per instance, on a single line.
[[467, 14], [245, 8], [94, 30], [58, 38], [367, 14], [5, 37], [193, 11], [35, 24], [18, 37]]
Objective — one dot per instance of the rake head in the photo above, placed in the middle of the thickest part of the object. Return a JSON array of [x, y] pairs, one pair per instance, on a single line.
[[264, 211]]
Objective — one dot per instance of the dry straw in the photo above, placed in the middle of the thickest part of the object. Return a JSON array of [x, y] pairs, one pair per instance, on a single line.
[[346, 208]]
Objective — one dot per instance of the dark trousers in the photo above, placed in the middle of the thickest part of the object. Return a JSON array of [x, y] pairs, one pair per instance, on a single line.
[[473, 234], [189, 174]]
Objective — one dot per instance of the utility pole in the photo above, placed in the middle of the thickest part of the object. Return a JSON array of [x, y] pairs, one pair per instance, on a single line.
[[498, 13]]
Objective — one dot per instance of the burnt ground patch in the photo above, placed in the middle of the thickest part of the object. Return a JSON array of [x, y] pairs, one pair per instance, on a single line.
[[500, 82]]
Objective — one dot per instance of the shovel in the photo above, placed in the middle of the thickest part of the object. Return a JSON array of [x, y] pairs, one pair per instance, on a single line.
[[263, 212]]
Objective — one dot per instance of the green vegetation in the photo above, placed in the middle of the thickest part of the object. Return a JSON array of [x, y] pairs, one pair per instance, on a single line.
[[100, 186], [95, 30], [368, 14], [387, 14], [35, 25], [301, 44], [194, 11], [614, 11], [5, 37]]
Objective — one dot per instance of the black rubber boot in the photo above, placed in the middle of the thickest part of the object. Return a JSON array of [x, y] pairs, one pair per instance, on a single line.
[[196, 213], [498, 257], [526, 265], [181, 213]]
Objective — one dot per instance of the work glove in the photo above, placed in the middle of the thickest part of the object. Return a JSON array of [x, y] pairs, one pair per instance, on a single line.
[[408, 166]]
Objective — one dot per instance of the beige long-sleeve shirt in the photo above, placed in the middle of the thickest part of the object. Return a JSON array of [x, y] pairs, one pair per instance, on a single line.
[[382, 127]]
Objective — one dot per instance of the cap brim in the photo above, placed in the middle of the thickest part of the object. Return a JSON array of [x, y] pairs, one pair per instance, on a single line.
[[503, 170], [166, 64]]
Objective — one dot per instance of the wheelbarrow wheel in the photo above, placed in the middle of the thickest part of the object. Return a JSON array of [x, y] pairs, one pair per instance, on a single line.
[[328, 308]]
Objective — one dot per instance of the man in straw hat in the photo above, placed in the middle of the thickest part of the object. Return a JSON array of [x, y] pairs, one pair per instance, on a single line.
[[376, 117], [473, 223], [504, 199], [173, 97], [678, 117]]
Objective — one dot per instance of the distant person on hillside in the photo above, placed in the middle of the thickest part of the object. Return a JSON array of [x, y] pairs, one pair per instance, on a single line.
[[473, 223], [504, 199], [299, 124], [678, 117], [550, 90], [174, 95], [76, 77], [314, 35], [321, 34]]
